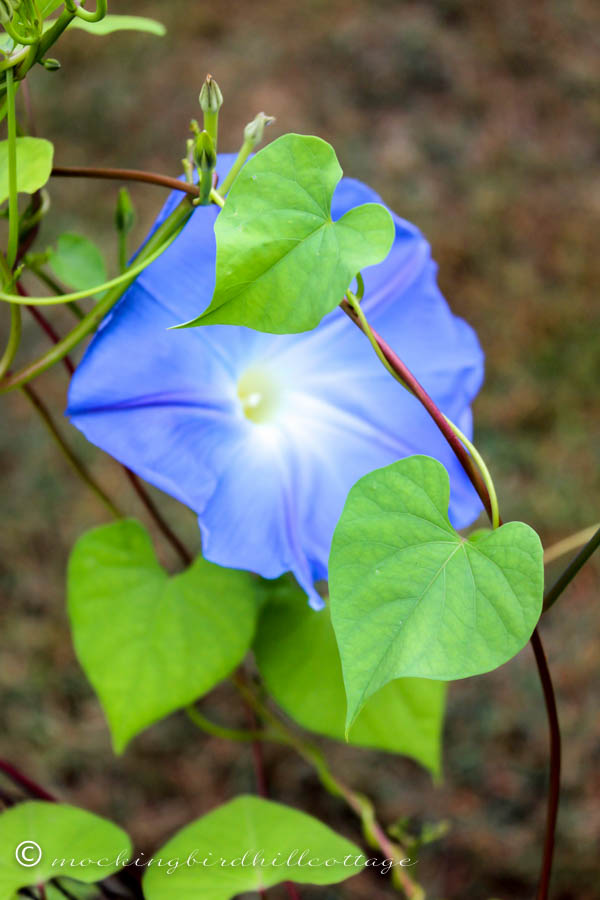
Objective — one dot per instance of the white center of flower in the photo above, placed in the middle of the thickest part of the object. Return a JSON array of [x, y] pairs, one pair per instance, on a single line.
[[259, 396]]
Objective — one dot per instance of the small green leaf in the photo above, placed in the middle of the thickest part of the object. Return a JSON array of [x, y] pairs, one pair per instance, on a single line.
[[150, 643], [49, 7], [299, 661], [78, 262], [282, 263], [34, 164], [232, 836], [6, 45], [110, 24], [62, 837], [411, 597]]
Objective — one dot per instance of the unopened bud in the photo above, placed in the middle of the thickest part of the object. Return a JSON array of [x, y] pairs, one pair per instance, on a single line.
[[254, 130], [51, 65], [205, 158], [211, 98], [204, 152], [125, 212]]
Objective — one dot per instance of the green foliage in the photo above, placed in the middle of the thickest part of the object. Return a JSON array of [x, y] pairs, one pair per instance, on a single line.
[[411, 597], [77, 891], [49, 7], [150, 643], [78, 262], [61, 832], [299, 661], [282, 263], [34, 164], [110, 24], [238, 831]]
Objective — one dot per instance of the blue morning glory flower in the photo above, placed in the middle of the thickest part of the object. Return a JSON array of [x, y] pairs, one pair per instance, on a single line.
[[263, 435]]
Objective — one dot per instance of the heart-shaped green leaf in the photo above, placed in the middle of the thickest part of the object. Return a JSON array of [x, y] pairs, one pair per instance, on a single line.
[[282, 263], [250, 844], [34, 164], [78, 262], [40, 841], [150, 643], [299, 661], [411, 597]]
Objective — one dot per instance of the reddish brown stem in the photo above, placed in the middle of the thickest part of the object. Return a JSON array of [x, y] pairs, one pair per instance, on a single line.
[[540, 657], [48, 329], [153, 511], [30, 787], [555, 763], [173, 184], [262, 787], [436, 414]]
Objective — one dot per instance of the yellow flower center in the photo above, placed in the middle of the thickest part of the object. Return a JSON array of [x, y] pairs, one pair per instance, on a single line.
[[259, 396]]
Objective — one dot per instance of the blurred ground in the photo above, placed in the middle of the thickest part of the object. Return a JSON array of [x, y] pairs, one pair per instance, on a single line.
[[480, 123]]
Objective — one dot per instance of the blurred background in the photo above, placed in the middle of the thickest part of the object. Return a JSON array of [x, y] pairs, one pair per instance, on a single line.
[[480, 123]]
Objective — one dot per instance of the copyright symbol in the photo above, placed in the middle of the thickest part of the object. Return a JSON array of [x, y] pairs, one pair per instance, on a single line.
[[28, 854]]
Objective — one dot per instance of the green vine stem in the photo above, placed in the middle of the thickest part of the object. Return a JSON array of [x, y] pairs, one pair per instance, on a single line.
[[13, 197], [243, 154], [96, 16], [53, 285], [18, 37], [37, 52], [124, 279], [483, 469], [253, 135], [160, 240], [217, 198], [14, 339], [239, 735], [572, 569], [569, 543], [6, 267], [362, 807]]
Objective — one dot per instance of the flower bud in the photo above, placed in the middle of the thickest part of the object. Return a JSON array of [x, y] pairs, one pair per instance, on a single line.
[[51, 65], [205, 158], [204, 152], [254, 130], [125, 212], [211, 98]]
